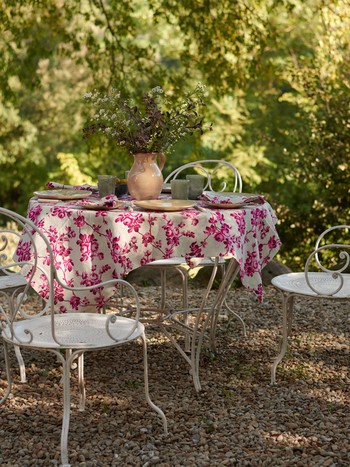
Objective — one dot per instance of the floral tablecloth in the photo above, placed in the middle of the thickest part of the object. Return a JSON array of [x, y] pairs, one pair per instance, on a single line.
[[93, 246]]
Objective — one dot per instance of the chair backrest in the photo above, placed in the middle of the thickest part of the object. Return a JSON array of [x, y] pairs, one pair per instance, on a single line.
[[215, 171], [21, 244], [332, 258]]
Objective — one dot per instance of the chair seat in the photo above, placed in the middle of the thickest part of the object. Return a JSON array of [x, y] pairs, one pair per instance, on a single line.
[[83, 330], [295, 282], [200, 262], [12, 281]]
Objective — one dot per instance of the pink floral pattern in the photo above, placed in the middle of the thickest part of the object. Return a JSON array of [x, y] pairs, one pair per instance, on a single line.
[[94, 246]]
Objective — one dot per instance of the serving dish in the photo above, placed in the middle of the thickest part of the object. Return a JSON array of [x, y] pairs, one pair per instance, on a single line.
[[165, 204], [63, 194]]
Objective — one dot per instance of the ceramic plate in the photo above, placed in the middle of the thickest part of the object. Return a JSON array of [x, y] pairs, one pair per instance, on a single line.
[[165, 204], [96, 206], [223, 205], [63, 194], [236, 198]]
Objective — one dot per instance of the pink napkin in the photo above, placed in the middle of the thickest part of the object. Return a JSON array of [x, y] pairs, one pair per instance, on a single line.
[[109, 201], [86, 186], [234, 198]]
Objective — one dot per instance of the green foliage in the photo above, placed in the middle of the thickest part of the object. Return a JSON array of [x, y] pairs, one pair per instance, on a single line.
[[223, 38], [302, 121], [69, 171], [21, 162], [277, 75]]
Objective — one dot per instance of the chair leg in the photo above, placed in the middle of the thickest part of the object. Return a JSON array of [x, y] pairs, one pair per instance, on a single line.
[[184, 283], [287, 305], [227, 307], [17, 295], [8, 373], [184, 280], [195, 359], [229, 274], [148, 399], [290, 314], [162, 290], [22, 368], [185, 355], [66, 368], [82, 392], [200, 328]]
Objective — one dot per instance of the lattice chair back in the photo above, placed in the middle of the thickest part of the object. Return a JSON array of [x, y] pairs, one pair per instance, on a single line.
[[25, 260], [326, 275], [215, 171], [38, 324], [15, 258], [13, 284]]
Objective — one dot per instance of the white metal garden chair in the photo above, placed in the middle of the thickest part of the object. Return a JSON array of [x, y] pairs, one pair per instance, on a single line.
[[214, 171], [12, 284], [325, 276], [66, 335]]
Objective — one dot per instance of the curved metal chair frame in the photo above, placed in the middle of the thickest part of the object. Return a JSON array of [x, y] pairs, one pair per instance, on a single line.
[[67, 335], [210, 169], [332, 282], [211, 175], [12, 284]]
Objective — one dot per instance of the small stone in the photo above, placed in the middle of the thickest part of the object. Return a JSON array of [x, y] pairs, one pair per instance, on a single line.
[[237, 419]]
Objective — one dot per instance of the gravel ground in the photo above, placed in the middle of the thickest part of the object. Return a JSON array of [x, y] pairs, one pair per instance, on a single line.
[[237, 420]]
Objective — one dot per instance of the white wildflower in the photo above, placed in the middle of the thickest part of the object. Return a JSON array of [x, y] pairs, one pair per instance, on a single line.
[[157, 90], [129, 126]]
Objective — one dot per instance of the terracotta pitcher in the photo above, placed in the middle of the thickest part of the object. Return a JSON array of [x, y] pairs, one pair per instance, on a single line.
[[145, 179]]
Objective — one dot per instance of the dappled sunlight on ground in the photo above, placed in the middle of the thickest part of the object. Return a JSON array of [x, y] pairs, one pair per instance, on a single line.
[[237, 419]]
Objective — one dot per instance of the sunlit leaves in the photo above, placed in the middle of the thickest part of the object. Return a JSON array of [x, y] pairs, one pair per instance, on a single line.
[[277, 74]]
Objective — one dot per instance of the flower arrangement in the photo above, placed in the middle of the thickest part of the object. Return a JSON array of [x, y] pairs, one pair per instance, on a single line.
[[154, 125]]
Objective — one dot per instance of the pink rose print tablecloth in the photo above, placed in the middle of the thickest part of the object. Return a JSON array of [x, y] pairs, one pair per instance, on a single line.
[[93, 246]]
